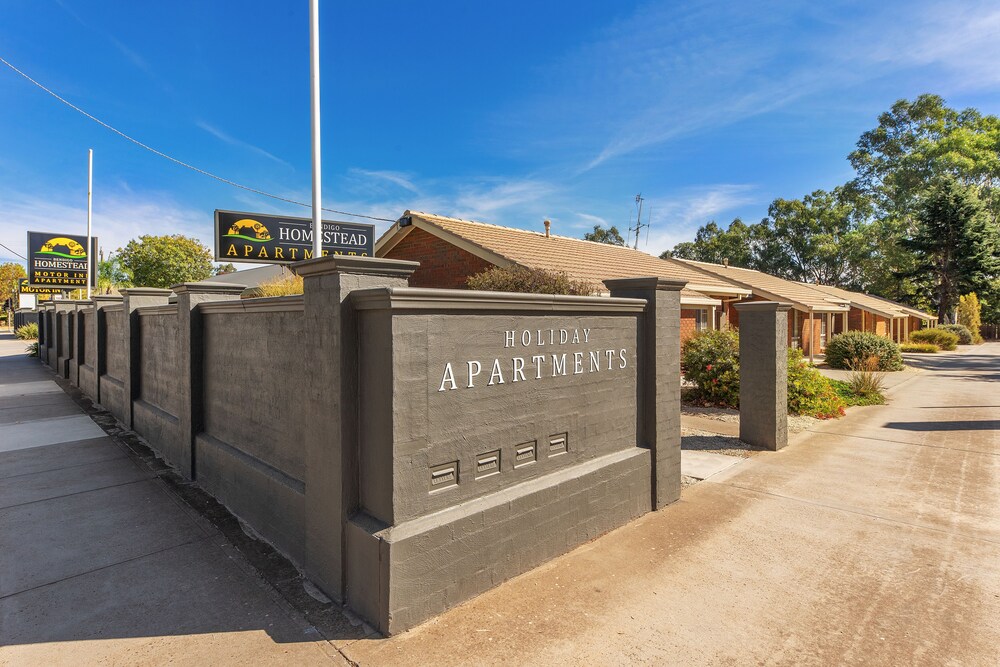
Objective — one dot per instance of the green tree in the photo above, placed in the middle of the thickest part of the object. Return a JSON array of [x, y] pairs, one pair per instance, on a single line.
[[955, 243], [223, 269], [970, 315], [919, 141], [111, 275], [611, 235], [163, 261], [10, 272]]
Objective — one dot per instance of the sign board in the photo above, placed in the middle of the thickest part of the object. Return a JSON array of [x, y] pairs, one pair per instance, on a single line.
[[275, 239], [60, 260], [26, 301], [24, 288]]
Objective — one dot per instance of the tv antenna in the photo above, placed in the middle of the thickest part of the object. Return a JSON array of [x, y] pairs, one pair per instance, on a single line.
[[638, 221]]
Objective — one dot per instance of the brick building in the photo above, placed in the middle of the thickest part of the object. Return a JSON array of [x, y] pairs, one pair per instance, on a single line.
[[451, 250]]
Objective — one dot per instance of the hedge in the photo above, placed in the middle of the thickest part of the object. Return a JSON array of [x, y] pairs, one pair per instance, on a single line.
[[923, 348], [945, 340], [963, 333]]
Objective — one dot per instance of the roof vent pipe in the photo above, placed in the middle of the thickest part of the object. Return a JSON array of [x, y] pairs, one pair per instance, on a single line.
[[548, 224], [725, 262]]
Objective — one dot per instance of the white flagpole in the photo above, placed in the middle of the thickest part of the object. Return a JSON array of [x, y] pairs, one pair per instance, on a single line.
[[317, 194], [90, 198]]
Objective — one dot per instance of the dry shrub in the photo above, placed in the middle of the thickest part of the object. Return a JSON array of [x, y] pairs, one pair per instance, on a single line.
[[284, 286], [866, 379]]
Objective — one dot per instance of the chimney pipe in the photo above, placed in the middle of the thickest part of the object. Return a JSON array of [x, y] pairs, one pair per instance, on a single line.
[[548, 224]]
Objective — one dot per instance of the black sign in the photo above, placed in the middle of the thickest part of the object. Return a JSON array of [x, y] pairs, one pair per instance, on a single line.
[[274, 239], [60, 260], [24, 288]]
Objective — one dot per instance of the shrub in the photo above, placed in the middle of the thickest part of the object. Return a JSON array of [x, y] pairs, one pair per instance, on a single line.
[[27, 332], [710, 359], [963, 333], [866, 379], [970, 310], [284, 286], [923, 348], [32, 350], [809, 393], [945, 340], [843, 349], [533, 281]]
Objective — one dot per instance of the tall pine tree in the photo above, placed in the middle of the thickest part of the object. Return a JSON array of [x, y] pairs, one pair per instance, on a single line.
[[956, 244]]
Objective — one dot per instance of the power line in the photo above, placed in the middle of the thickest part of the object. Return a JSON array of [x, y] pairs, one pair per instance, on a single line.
[[180, 162], [16, 253]]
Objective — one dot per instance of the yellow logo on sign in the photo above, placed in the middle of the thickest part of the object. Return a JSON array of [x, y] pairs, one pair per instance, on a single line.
[[73, 249], [248, 229]]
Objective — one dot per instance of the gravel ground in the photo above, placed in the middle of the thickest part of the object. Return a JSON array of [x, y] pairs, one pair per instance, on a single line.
[[796, 423], [703, 441]]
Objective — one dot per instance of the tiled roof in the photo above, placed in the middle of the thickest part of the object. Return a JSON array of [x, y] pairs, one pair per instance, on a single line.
[[800, 295], [581, 260], [904, 308], [864, 301]]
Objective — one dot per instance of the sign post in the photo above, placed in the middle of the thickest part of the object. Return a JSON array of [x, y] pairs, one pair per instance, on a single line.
[[317, 189], [90, 196]]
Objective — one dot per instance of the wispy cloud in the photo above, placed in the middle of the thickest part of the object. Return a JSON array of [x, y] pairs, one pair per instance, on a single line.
[[394, 177], [676, 217], [486, 200], [233, 141]]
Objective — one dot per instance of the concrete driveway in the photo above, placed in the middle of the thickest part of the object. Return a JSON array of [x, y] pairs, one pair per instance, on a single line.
[[872, 540]]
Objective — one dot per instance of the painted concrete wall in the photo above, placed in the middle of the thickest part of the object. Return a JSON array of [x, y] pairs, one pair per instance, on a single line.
[[425, 444]]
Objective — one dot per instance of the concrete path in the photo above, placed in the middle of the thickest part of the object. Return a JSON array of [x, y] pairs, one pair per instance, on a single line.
[[702, 465], [100, 562], [873, 540]]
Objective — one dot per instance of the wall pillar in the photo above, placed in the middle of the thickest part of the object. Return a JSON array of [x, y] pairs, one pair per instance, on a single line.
[[97, 350], [132, 298], [659, 380], [328, 401], [65, 316], [79, 341], [190, 359], [764, 373]]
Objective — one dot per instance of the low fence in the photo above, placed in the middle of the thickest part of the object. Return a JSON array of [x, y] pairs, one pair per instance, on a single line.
[[990, 331], [406, 448]]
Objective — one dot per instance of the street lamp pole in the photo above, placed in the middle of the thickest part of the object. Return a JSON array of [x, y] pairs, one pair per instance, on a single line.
[[90, 199], [317, 193]]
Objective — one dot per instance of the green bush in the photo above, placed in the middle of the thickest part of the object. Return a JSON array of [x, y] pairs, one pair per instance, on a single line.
[[843, 349], [923, 348], [945, 340], [533, 281], [27, 332], [32, 350], [710, 359], [963, 333], [809, 393]]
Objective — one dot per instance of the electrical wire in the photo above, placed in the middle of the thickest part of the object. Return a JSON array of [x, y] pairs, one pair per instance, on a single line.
[[180, 162], [16, 253]]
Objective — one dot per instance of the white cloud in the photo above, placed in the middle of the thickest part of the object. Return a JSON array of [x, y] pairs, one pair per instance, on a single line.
[[676, 217], [394, 177], [233, 141]]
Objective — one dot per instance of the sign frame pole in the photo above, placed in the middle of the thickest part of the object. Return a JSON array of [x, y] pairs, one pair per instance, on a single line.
[[90, 198], [317, 193]]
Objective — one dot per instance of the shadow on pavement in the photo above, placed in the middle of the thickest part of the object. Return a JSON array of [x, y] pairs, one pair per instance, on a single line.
[[987, 425]]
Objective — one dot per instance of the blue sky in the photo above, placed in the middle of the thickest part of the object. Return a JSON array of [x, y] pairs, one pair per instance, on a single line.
[[502, 112]]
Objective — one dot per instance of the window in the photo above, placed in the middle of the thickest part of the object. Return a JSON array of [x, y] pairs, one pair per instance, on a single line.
[[700, 319], [796, 341]]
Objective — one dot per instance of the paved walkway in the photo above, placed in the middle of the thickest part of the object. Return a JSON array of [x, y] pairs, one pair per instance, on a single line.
[[873, 540], [101, 563]]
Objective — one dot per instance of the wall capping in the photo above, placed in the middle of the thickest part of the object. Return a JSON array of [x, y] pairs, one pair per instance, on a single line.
[[418, 298], [168, 309], [762, 305], [647, 282], [273, 304], [371, 266], [208, 288]]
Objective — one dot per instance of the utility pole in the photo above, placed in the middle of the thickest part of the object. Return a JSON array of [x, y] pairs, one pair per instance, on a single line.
[[317, 187], [638, 220]]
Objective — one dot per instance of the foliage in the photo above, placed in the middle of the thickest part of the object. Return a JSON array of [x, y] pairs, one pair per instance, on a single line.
[[27, 332], [611, 235], [945, 340], [847, 394], [954, 243], [223, 269], [866, 380], [516, 278], [112, 275], [710, 359], [164, 261], [920, 348], [284, 286], [963, 333], [10, 272], [843, 349], [970, 315], [809, 393], [32, 349]]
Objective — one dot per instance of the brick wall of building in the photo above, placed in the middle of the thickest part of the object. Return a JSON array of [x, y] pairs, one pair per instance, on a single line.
[[688, 324], [442, 264]]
